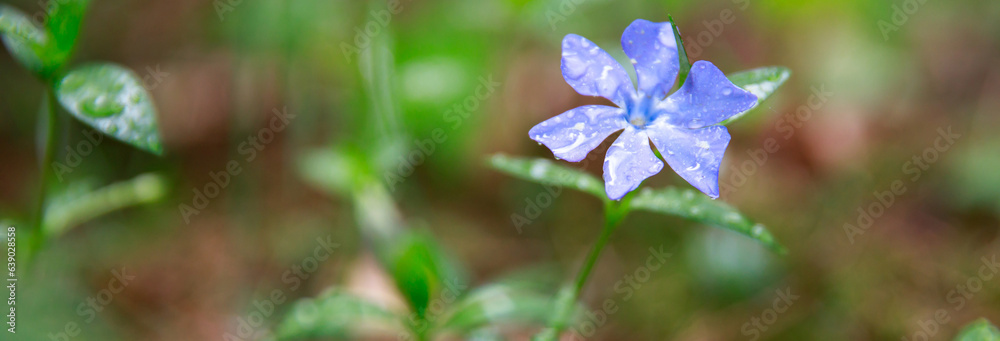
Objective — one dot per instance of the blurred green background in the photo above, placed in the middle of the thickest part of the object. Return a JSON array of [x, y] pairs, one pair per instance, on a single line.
[[863, 102]]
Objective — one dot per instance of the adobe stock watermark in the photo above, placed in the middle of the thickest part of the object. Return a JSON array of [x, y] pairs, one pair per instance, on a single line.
[[93, 305], [958, 298], [564, 9], [11, 320], [900, 15], [154, 77], [787, 125], [535, 205], [626, 289], [760, 324], [251, 325], [222, 7], [248, 149], [378, 20], [46, 9], [75, 154], [423, 148], [695, 44], [915, 167]]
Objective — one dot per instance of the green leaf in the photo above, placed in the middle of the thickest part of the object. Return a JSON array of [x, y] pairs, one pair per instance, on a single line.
[[685, 64], [485, 334], [546, 172], [421, 268], [498, 304], [334, 314], [762, 82], [112, 100], [27, 43], [337, 171], [980, 330], [78, 204], [693, 205], [63, 23]]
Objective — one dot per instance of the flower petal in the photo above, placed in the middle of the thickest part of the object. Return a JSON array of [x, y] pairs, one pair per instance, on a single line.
[[629, 161], [653, 52], [573, 134], [706, 98], [592, 72], [695, 155]]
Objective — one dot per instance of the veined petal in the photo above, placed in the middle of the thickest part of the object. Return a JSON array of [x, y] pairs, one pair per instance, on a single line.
[[695, 155], [629, 161], [706, 98], [653, 51], [592, 72], [573, 134]]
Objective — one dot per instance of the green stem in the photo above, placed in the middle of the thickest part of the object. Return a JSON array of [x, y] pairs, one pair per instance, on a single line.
[[614, 213], [38, 238], [611, 220]]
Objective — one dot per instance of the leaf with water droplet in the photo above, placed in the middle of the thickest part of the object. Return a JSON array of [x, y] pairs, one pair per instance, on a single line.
[[688, 204], [762, 82], [112, 100], [546, 172], [27, 43]]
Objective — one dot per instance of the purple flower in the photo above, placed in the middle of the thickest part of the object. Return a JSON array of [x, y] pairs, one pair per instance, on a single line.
[[682, 126]]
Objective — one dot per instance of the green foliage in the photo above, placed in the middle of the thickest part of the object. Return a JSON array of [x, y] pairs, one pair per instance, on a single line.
[[691, 205], [107, 97], [43, 51], [688, 203], [980, 330], [112, 100], [63, 24], [685, 63], [27, 43], [497, 304], [333, 314], [546, 172], [336, 171], [762, 82], [78, 204], [420, 267]]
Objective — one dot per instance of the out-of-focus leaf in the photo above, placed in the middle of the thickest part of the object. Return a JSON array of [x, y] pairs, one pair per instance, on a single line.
[[762, 82], [79, 205], [546, 172], [542, 278], [685, 63], [564, 311], [498, 304], [334, 314], [415, 274], [485, 334], [980, 330], [112, 100], [422, 270], [25, 41], [63, 23], [692, 205], [337, 171]]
